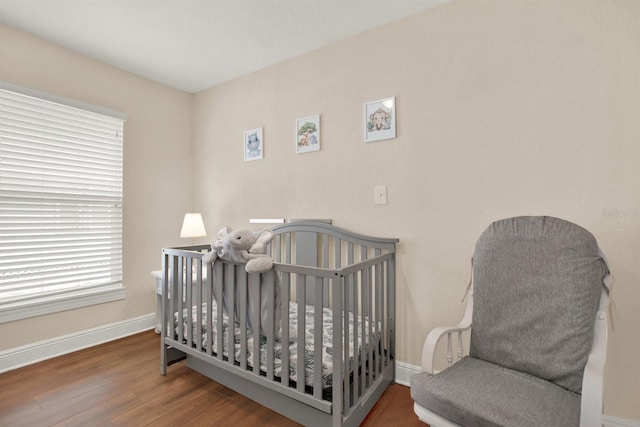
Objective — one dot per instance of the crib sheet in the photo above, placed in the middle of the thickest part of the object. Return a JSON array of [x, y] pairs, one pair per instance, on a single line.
[[327, 341]]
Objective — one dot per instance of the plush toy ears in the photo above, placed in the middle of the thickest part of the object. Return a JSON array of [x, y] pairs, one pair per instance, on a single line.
[[224, 232], [218, 243], [260, 246]]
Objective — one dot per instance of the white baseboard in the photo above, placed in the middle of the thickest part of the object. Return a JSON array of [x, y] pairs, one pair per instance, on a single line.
[[610, 421], [32, 353], [404, 371]]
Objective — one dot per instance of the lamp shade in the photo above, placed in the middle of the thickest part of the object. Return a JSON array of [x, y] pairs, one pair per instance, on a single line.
[[192, 226]]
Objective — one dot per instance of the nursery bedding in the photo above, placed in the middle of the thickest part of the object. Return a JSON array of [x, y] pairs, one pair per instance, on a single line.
[[327, 341]]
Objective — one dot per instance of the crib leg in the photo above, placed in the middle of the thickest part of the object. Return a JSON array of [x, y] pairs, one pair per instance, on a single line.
[[163, 360], [168, 356]]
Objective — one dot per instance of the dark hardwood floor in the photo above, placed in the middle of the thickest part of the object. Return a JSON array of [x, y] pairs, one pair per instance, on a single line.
[[119, 384]]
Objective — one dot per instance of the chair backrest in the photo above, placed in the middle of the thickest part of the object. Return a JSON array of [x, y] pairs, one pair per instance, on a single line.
[[537, 284]]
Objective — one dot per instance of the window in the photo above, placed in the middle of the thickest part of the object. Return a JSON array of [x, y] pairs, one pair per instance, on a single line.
[[60, 204]]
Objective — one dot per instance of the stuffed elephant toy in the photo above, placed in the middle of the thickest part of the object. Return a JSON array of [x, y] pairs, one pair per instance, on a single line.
[[243, 246]]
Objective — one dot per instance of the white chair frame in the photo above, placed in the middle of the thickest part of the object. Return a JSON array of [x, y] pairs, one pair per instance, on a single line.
[[591, 408]]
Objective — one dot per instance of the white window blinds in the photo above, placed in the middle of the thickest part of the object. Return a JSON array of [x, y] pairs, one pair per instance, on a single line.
[[60, 201]]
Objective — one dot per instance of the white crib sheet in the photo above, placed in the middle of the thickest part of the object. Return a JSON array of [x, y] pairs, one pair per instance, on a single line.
[[327, 341]]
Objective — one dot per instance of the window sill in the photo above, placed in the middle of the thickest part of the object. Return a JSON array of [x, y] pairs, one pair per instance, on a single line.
[[10, 312]]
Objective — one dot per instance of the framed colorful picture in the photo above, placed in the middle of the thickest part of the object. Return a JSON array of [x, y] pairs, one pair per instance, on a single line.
[[308, 134], [253, 144], [380, 119]]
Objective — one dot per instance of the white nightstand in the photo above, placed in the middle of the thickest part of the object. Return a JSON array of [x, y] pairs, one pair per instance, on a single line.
[[157, 274]]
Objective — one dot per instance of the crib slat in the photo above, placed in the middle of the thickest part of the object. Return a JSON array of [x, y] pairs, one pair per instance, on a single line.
[[382, 319], [325, 251], [391, 309], [172, 295], [356, 333], [242, 291], [345, 354], [384, 315], [363, 330], [287, 249], [219, 268], [338, 410], [188, 275], [364, 304], [379, 314], [285, 298], [301, 298], [198, 292], [230, 293], [326, 265], [379, 317], [209, 309], [179, 300], [369, 337], [267, 282], [277, 248], [317, 339], [254, 297], [337, 252]]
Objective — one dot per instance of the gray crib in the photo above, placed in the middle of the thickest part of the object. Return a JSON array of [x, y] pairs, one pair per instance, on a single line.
[[317, 346]]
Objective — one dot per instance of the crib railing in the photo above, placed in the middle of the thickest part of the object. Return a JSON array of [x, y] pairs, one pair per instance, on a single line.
[[319, 244]]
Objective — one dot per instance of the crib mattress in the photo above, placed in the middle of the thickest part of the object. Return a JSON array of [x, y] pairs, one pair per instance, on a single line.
[[294, 316]]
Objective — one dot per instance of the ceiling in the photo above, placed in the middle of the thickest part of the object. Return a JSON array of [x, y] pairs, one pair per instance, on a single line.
[[192, 45]]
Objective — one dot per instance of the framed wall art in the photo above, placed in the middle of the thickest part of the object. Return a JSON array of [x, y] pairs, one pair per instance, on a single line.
[[380, 119], [308, 134], [253, 144]]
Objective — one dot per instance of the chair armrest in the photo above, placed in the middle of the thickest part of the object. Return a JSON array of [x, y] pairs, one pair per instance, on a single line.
[[593, 378], [430, 343]]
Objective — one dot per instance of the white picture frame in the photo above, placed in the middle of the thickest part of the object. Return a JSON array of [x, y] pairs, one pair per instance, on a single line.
[[308, 134], [380, 119], [253, 144]]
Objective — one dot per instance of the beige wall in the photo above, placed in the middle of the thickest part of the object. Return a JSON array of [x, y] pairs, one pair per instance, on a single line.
[[504, 108], [157, 153]]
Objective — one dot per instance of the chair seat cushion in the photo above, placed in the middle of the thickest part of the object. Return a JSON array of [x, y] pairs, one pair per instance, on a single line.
[[474, 392]]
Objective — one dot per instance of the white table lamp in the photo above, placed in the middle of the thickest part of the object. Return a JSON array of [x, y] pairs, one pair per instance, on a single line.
[[192, 226]]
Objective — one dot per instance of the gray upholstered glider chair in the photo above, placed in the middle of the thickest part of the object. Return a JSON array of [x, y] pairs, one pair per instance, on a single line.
[[538, 344]]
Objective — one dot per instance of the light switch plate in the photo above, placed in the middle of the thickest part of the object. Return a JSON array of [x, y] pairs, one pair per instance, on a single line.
[[380, 194]]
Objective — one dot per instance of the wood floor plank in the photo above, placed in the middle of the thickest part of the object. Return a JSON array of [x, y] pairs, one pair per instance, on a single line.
[[18, 411], [209, 401], [119, 384], [395, 408], [156, 409], [102, 412]]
